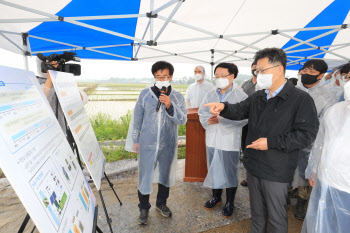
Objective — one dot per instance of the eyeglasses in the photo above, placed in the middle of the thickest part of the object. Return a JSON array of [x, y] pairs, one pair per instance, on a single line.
[[216, 76], [256, 72], [162, 78]]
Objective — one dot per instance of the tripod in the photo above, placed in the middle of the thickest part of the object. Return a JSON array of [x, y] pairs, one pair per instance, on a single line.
[[76, 150]]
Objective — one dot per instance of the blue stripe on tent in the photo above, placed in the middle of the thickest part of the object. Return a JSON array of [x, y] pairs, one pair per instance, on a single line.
[[334, 14], [84, 37]]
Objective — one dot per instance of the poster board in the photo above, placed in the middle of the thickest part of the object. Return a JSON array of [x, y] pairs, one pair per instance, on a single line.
[[37, 159], [78, 121]]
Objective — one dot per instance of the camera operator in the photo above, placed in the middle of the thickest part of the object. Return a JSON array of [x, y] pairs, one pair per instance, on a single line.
[[47, 86]]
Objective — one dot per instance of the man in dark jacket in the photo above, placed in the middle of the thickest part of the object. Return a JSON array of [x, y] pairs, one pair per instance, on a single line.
[[282, 120]]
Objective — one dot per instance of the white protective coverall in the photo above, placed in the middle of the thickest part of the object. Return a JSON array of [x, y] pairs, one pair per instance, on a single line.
[[329, 165], [323, 99], [195, 93], [156, 133], [223, 141]]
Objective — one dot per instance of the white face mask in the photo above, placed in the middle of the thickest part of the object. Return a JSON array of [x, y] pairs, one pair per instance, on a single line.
[[161, 84], [198, 77], [265, 81], [347, 91], [342, 82], [222, 83]]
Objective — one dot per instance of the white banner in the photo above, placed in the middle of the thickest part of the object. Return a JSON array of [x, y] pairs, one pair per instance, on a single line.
[[78, 121], [37, 159]]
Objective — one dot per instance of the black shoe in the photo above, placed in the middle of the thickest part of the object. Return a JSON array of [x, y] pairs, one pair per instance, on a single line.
[[164, 210], [244, 183], [212, 202], [228, 210], [294, 193], [143, 219], [300, 210]]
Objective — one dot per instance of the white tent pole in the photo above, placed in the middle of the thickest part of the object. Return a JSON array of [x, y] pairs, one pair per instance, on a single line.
[[207, 32], [26, 65], [58, 50], [193, 52], [32, 20], [232, 55], [185, 40], [327, 46], [310, 29], [72, 21], [166, 5], [111, 54], [297, 57], [312, 39], [335, 45], [174, 54], [8, 32], [329, 50], [235, 60], [312, 56], [54, 41], [152, 57], [81, 48], [143, 37], [251, 44], [168, 20], [151, 18], [105, 31], [13, 43], [108, 46], [244, 34], [106, 17], [299, 50], [76, 46], [314, 46], [230, 51], [212, 63]]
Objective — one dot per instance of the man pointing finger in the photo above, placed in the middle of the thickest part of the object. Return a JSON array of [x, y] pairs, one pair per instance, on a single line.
[[282, 120]]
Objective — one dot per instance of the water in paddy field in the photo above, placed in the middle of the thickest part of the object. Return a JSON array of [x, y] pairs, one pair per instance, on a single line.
[[116, 99]]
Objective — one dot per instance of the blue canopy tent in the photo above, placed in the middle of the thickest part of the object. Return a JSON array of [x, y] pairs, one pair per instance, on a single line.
[[200, 31]]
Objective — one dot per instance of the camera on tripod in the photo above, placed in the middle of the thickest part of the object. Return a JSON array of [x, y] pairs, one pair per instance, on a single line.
[[61, 59]]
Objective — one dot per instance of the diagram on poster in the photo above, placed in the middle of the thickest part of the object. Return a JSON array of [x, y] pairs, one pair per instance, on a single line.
[[51, 191], [67, 164], [79, 123], [37, 159]]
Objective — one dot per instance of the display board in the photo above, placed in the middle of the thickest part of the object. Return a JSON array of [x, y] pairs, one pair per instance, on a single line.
[[37, 159], [78, 121]]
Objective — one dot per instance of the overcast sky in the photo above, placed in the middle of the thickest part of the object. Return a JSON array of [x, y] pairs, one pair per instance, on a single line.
[[105, 69]]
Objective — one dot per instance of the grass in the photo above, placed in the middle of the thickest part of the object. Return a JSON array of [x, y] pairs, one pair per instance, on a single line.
[[108, 129], [182, 130], [181, 153], [113, 153], [91, 89], [117, 153]]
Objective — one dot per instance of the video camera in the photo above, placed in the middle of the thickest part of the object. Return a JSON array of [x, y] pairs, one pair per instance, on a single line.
[[61, 60]]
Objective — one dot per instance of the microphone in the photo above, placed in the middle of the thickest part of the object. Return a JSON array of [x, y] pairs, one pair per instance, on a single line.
[[163, 90]]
